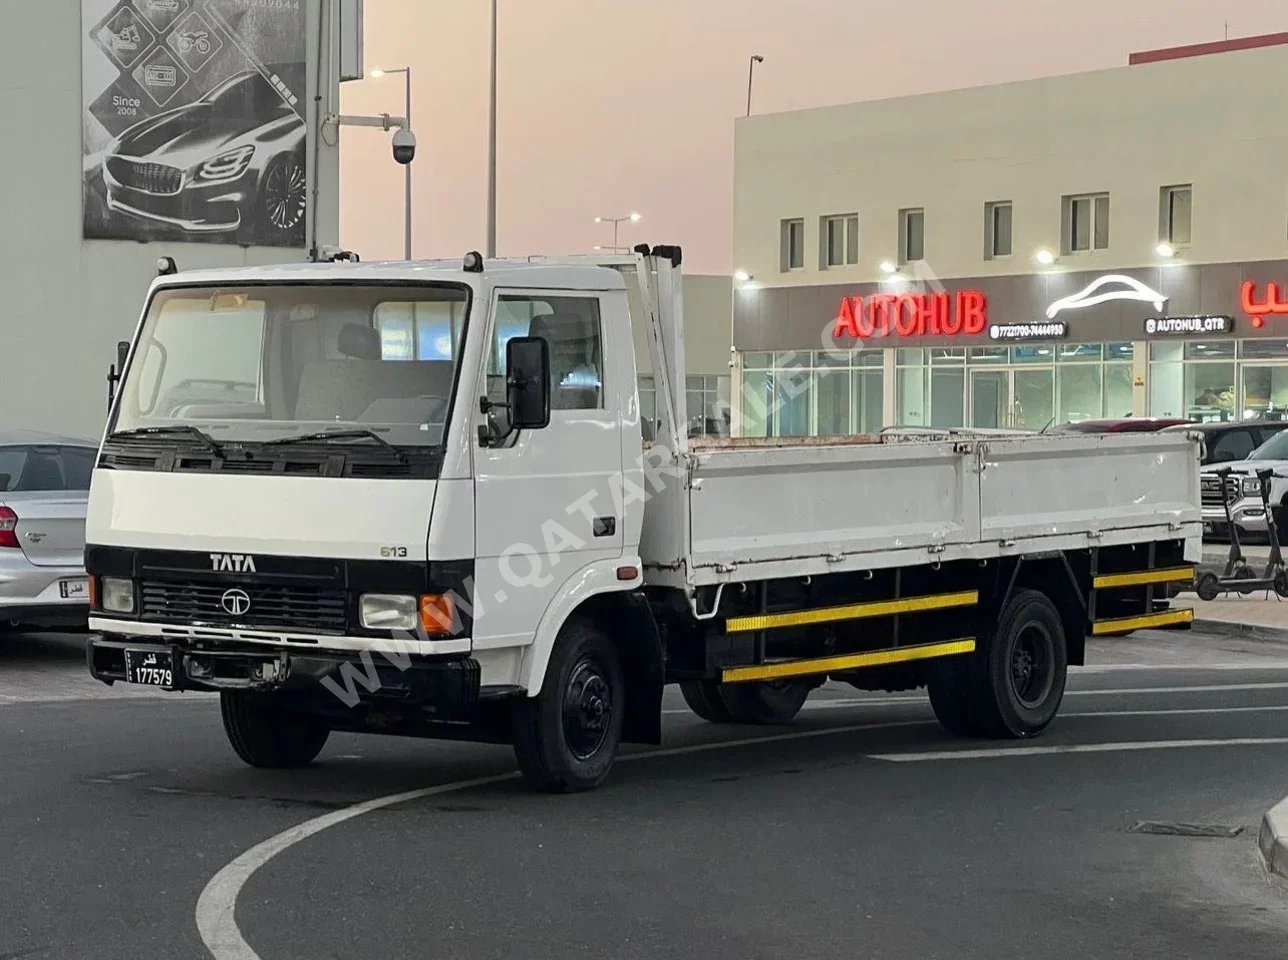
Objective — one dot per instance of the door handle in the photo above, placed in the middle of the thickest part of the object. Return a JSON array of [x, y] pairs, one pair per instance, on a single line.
[[604, 526]]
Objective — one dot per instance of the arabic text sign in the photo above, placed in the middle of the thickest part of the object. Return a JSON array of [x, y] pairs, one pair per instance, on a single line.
[[1257, 309]]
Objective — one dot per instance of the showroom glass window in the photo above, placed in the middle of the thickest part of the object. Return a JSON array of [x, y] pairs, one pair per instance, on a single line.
[[812, 393]]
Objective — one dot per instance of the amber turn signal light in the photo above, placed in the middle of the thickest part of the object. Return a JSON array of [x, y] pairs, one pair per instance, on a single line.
[[437, 614]]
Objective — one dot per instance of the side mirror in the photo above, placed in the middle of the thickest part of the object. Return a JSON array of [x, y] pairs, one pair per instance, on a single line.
[[527, 379], [116, 371]]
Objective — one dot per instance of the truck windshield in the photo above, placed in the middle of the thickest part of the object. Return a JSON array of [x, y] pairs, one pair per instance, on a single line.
[[1276, 448], [262, 363]]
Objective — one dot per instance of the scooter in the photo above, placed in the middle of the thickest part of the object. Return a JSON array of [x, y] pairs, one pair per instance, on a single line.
[[1238, 575]]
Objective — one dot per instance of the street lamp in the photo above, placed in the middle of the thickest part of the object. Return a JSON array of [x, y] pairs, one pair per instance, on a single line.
[[751, 74], [617, 222], [376, 75]]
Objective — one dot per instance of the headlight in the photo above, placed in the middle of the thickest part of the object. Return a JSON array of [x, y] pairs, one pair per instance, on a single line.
[[1252, 486], [226, 166], [117, 595], [382, 611]]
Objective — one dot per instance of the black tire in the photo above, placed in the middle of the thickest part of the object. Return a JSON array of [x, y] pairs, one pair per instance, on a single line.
[[566, 737], [1208, 586], [1021, 670], [768, 703], [264, 733], [703, 698], [1281, 584], [949, 689], [283, 196]]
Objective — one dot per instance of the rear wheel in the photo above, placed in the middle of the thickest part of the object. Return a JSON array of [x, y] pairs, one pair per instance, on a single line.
[[566, 737], [265, 732], [703, 698], [1208, 586], [1012, 686], [768, 703], [1022, 669]]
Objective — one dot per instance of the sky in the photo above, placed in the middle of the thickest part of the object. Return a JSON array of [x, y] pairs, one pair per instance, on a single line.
[[607, 107]]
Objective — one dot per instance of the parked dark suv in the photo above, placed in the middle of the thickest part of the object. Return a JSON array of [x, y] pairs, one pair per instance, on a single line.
[[1233, 440]]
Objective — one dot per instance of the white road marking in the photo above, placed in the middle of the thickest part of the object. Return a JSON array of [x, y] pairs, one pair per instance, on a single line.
[[215, 915], [838, 703], [216, 907], [1128, 745]]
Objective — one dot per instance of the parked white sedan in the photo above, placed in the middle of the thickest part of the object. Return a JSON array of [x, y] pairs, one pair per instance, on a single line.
[[44, 485]]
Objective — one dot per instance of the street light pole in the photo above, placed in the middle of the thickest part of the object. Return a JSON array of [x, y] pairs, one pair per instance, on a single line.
[[407, 215], [751, 75], [617, 222], [407, 218], [491, 148]]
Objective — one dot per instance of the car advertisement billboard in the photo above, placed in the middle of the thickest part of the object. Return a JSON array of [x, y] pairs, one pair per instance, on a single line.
[[194, 121]]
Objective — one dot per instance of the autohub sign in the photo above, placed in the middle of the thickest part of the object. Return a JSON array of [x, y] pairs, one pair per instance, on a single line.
[[964, 313]]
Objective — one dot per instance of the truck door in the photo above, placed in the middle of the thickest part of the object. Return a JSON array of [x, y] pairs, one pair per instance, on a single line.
[[544, 504]]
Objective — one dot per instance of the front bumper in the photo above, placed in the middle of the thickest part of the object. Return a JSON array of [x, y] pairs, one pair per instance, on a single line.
[[409, 680], [195, 208], [1248, 513]]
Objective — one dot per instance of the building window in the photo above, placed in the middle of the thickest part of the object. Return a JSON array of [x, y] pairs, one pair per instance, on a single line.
[[812, 394], [1195, 380], [707, 400], [839, 240], [997, 230], [1086, 222], [1174, 215], [912, 235], [793, 245]]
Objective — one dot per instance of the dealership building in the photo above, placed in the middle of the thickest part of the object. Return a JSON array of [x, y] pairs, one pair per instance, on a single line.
[[142, 129], [1104, 244]]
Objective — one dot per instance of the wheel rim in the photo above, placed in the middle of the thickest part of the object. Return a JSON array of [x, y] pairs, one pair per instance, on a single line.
[[285, 194], [1032, 665], [587, 709]]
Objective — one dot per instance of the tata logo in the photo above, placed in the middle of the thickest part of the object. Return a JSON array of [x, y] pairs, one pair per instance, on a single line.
[[232, 563], [236, 603]]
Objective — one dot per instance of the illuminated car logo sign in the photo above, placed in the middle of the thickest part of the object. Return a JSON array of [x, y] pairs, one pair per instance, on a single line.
[[1090, 298], [236, 603]]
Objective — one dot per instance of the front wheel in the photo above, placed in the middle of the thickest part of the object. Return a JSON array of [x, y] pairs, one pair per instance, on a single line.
[[1208, 586], [266, 733], [566, 737], [284, 195]]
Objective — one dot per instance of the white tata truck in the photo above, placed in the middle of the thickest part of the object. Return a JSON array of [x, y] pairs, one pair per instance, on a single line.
[[415, 499]]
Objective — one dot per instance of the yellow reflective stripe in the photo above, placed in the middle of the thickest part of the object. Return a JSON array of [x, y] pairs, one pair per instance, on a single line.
[[1165, 619], [852, 661], [1170, 575], [853, 611]]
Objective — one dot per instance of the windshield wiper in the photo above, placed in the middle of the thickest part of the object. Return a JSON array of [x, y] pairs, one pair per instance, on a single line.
[[328, 436], [207, 441]]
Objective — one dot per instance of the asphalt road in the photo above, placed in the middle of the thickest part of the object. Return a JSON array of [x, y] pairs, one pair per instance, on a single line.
[[848, 834]]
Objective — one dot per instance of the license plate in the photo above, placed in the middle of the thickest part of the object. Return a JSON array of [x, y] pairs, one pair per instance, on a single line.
[[74, 589], [150, 668]]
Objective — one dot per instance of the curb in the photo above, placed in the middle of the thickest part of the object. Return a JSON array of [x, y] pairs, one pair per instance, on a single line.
[[1248, 631], [1273, 840]]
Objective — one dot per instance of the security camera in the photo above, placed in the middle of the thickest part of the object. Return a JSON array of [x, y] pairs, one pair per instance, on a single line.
[[404, 146]]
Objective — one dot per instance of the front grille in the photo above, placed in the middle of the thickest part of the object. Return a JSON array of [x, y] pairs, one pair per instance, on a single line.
[[302, 609], [154, 178], [1210, 490]]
